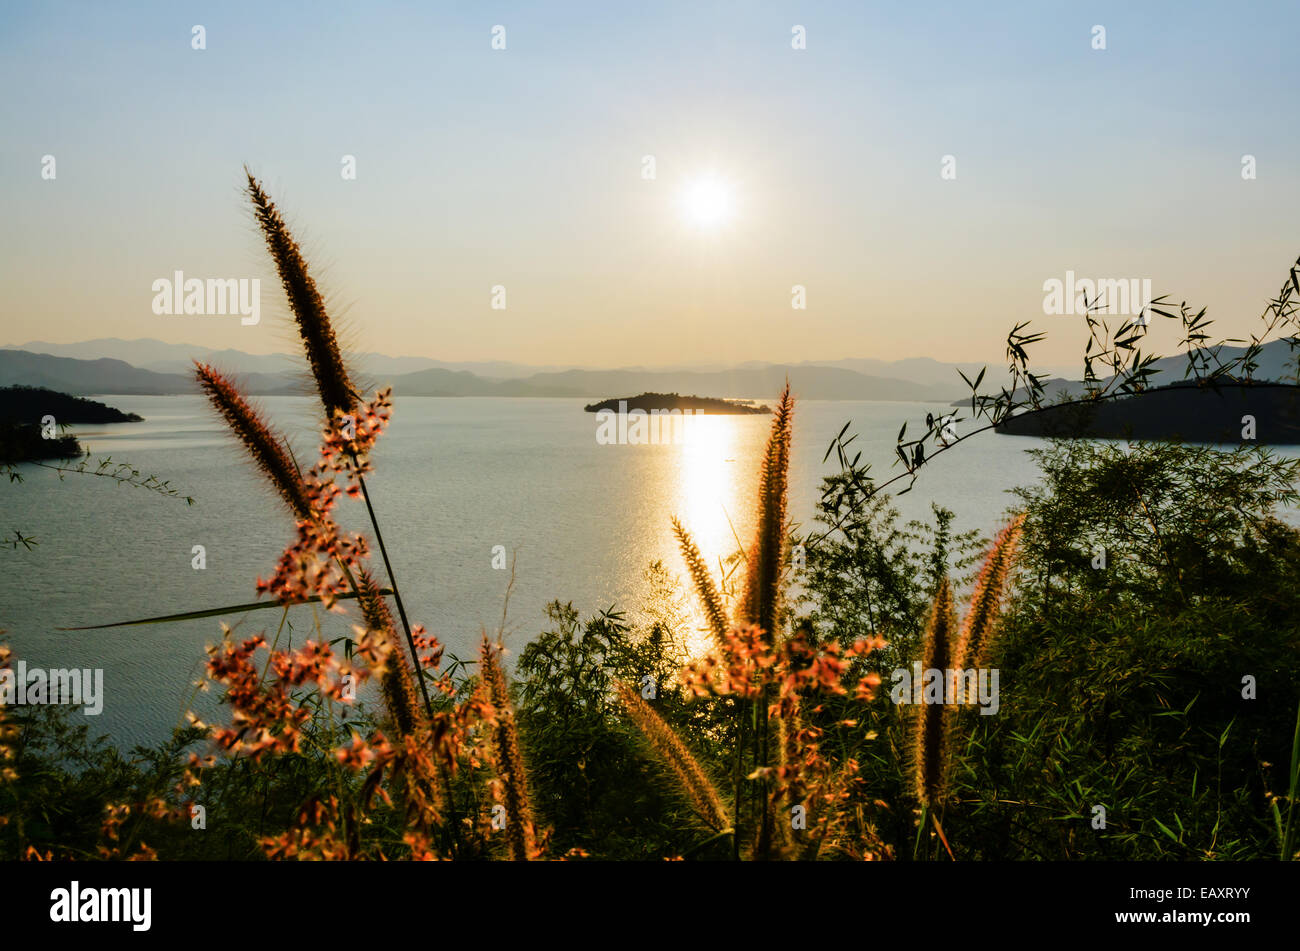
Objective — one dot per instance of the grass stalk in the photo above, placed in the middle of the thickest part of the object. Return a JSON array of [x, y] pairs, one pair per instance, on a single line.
[[1289, 828], [397, 599]]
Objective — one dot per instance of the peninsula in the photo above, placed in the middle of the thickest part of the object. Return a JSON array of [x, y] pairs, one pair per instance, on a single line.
[[31, 418], [1226, 412]]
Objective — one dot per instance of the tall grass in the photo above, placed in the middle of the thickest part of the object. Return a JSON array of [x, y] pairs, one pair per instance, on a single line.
[[1286, 828], [692, 781], [507, 758], [931, 741], [338, 394], [948, 647], [324, 562]]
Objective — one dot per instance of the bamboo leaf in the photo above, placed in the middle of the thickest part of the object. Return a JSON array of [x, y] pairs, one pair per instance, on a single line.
[[1165, 829]]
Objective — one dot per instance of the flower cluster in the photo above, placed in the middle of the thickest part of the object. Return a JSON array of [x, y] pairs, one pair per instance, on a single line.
[[113, 842], [349, 437], [429, 647], [325, 830], [271, 712], [321, 557], [265, 716], [750, 666], [793, 678]]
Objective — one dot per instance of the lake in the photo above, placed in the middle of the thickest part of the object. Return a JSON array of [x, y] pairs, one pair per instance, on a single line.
[[453, 478]]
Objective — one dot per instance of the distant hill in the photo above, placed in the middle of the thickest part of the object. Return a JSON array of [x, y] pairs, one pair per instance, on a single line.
[[1186, 411], [84, 377], [1275, 360]]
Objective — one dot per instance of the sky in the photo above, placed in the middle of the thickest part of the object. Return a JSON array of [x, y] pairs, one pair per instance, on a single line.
[[523, 168]]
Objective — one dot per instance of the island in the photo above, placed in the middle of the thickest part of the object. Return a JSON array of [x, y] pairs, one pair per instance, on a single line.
[[1191, 411], [31, 418], [666, 402]]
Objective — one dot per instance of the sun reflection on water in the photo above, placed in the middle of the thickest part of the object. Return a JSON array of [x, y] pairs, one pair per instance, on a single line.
[[713, 501]]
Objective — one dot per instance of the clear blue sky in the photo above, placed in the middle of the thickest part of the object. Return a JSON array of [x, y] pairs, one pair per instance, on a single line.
[[522, 167]]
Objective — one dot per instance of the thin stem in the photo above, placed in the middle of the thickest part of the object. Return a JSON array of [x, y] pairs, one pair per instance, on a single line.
[[415, 659], [765, 727], [116, 474], [739, 781], [397, 597]]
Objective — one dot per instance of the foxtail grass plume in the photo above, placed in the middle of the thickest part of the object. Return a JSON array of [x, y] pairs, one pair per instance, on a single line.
[[789, 757], [931, 727], [508, 761], [397, 682], [694, 784], [711, 601], [763, 582], [264, 445], [333, 381], [977, 630], [308, 306]]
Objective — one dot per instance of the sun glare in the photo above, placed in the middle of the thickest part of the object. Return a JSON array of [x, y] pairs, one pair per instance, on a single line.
[[710, 497], [708, 202]]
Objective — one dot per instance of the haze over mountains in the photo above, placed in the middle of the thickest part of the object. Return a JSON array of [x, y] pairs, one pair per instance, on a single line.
[[151, 367], [148, 354], [141, 367]]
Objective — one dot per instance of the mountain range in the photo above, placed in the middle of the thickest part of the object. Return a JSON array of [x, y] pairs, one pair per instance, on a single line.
[[151, 367], [148, 354]]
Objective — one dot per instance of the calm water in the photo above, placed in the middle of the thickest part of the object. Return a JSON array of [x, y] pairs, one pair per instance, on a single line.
[[453, 478]]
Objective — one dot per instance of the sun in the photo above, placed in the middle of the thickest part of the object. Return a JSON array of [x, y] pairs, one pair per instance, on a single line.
[[708, 202]]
